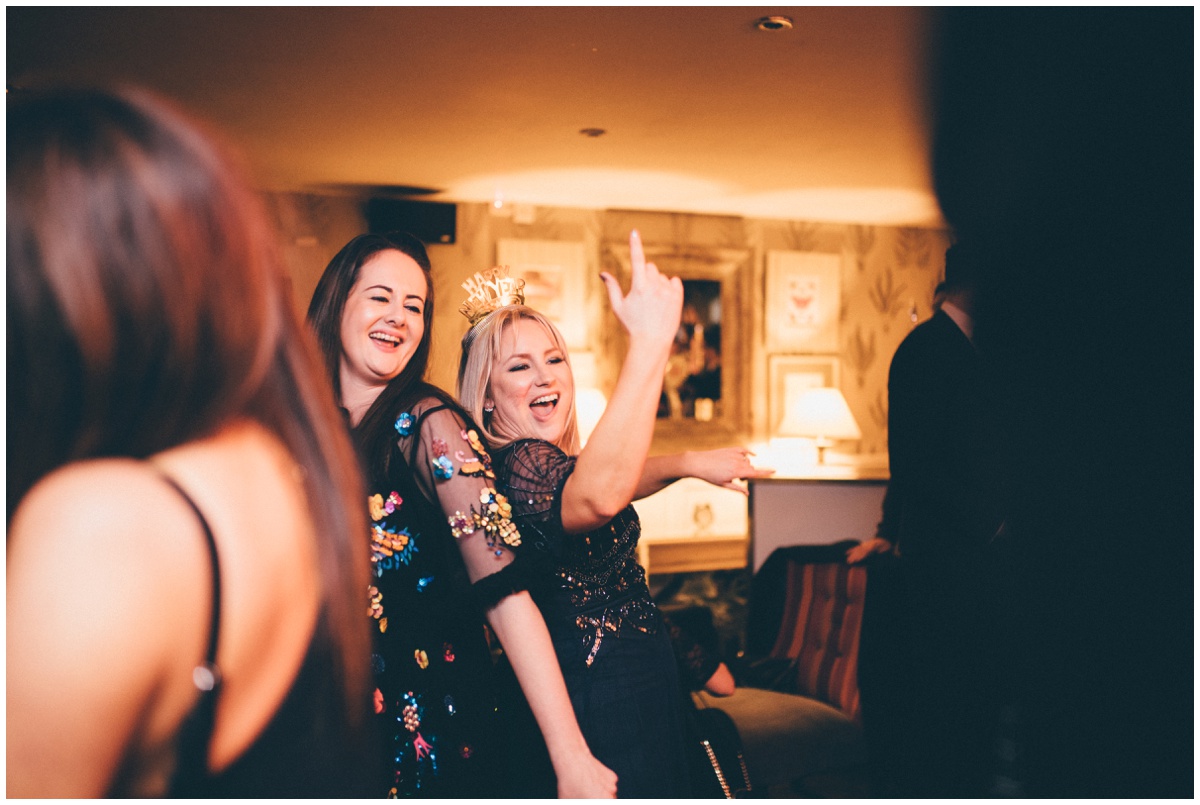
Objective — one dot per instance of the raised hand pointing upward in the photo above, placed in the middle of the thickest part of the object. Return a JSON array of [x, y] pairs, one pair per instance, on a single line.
[[650, 311]]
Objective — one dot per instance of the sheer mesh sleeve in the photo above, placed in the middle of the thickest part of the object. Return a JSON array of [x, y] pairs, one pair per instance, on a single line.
[[534, 475], [452, 469]]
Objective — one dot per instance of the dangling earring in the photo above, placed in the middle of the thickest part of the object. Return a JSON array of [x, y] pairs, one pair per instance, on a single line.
[[487, 409]]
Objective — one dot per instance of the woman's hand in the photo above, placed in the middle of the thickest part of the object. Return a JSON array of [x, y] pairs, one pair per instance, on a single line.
[[725, 467], [654, 304], [518, 624], [864, 549], [587, 778]]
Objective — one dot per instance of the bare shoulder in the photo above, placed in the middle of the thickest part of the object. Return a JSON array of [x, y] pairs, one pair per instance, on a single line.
[[94, 532], [110, 501], [105, 591]]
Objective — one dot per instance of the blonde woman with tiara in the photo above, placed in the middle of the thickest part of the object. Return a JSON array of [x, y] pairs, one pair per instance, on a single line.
[[573, 508]]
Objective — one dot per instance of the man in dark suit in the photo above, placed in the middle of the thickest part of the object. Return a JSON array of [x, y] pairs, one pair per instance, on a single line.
[[944, 506]]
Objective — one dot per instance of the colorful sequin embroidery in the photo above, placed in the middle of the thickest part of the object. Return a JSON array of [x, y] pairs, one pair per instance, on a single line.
[[443, 468], [390, 548], [410, 716], [375, 610], [493, 516], [404, 424], [476, 445], [497, 518], [409, 742], [470, 467], [381, 508], [462, 525], [478, 464]]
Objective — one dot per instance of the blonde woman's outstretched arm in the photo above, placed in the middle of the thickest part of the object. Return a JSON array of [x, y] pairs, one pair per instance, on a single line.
[[610, 466]]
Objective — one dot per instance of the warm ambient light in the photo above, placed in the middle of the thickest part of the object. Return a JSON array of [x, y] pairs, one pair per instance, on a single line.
[[821, 414], [589, 407], [633, 189]]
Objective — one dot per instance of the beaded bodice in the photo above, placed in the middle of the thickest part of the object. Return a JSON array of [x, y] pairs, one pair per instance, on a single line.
[[596, 587]]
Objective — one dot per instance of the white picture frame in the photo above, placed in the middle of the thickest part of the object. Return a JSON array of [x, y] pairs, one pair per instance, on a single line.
[[803, 301]]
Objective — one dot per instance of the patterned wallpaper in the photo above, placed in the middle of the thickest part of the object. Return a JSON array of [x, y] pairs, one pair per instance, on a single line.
[[887, 279]]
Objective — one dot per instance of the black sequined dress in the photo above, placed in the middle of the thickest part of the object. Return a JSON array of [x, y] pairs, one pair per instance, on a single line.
[[434, 513], [612, 645]]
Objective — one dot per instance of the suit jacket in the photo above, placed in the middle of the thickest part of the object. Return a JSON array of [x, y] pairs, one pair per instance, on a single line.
[[941, 445]]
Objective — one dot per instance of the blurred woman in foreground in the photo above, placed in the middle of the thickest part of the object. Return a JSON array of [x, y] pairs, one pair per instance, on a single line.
[[185, 556]]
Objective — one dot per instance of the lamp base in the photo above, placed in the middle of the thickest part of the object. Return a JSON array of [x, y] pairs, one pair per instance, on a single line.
[[822, 446]]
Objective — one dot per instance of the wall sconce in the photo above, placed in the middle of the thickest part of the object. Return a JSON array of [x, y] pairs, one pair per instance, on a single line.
[[822, 415]]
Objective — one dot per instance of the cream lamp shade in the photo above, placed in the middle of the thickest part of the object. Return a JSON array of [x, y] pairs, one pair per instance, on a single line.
[[820, 414]]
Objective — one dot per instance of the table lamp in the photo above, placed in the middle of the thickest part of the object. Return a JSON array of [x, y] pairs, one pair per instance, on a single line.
[[822, 415]]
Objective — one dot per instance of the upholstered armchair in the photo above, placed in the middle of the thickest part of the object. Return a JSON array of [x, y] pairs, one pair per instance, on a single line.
[[797, 705]]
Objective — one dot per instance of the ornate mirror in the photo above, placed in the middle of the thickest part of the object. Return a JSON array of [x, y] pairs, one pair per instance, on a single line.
[[703, 399]]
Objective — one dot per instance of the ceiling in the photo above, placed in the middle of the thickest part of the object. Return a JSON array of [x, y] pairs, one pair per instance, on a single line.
[[703, 112]]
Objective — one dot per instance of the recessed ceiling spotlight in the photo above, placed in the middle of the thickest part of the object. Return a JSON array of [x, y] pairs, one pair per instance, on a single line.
[[592, 132], [776, 23]]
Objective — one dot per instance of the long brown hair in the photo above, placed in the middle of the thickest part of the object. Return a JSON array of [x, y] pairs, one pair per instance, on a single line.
[[374, 434], [148, 306]]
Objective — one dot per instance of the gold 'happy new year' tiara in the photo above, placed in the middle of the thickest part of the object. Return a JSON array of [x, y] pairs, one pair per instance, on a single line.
[[491, 290]]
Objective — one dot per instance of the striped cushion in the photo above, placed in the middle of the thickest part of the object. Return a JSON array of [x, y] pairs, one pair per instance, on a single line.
[[820, 617]]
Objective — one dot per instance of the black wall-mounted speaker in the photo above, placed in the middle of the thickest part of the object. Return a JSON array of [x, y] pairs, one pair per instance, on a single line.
[[429, 221]]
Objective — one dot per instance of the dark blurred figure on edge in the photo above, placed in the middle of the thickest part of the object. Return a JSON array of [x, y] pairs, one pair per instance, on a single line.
[[933, 446], [1063, 153], [929, 692]]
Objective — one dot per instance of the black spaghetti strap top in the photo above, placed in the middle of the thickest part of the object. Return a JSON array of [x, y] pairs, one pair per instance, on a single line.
[[195, 735], [307, 749]]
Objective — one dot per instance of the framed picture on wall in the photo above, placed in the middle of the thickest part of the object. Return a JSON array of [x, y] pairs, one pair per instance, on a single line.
[[789, 375], [803, 301], [553, 271]]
